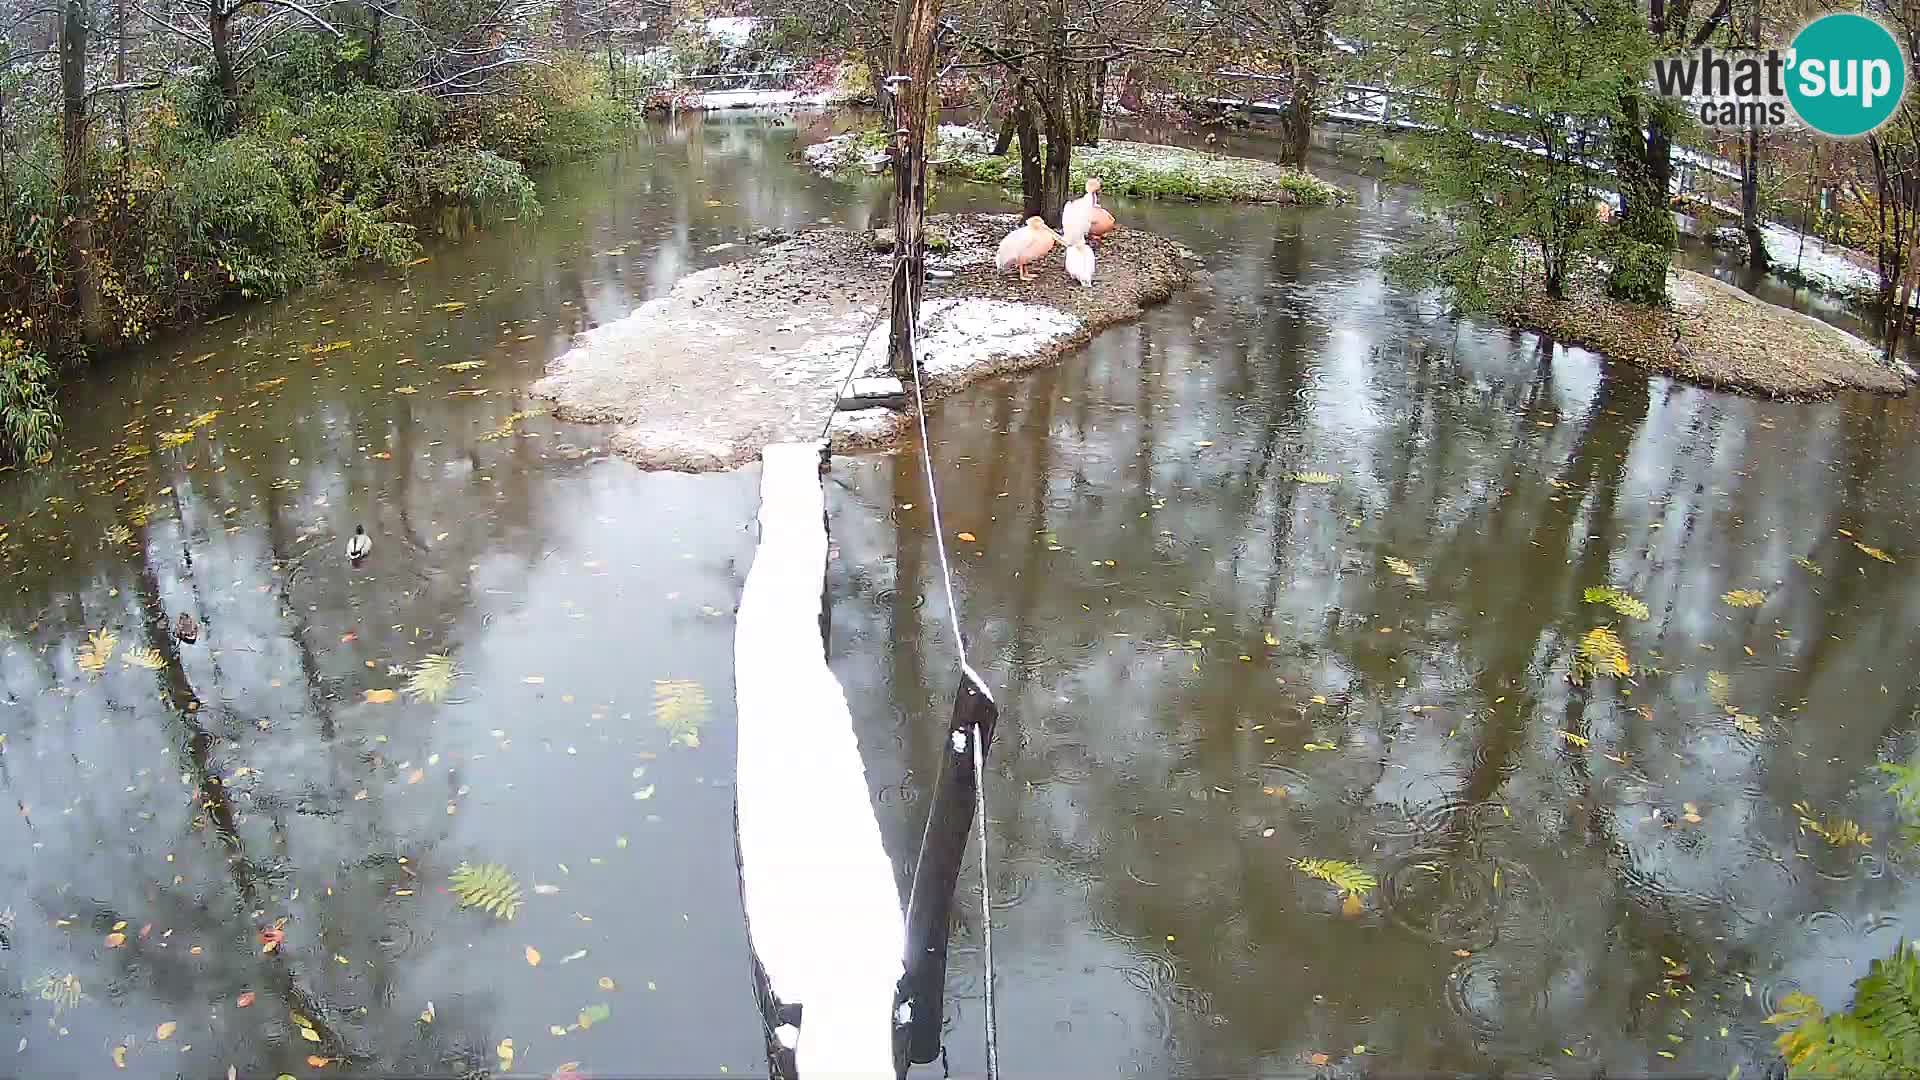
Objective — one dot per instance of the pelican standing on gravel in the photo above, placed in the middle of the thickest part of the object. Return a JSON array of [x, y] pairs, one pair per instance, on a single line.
[[1025, 246], [1101, 223], [1080, 263], [1076, 218]]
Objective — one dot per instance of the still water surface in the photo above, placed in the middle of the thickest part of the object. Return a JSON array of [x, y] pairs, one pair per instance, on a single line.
[[1207, 666]]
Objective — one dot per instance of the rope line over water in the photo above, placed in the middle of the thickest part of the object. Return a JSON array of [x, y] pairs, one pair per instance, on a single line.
[[960, 649]]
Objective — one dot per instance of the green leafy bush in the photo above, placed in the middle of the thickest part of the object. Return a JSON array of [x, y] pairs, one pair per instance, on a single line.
[[310, 167], [29, 424], [1639, 273]]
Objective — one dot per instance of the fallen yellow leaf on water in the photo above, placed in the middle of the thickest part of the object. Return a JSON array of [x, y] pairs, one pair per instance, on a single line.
[[121, 925], [1873, 552], [452, 305], [606, 983], [533, 956], [317, 1062], [380, 697], [505, 1050], [165, 1031], [534, 680], [1270, 639], [114, 941], [416, 776], [968, 537], [309, 1034], [1319, 699], [1462, 953], [119, 1057]]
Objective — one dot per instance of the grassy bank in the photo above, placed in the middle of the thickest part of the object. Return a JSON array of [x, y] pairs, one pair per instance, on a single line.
[[311, 170], [1125, 169], [1711, 333]]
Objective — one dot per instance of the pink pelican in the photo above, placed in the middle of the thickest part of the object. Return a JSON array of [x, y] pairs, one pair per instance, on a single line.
[[1025, 246]]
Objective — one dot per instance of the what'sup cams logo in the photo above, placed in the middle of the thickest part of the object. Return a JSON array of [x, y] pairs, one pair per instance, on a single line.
[[1843, 76]]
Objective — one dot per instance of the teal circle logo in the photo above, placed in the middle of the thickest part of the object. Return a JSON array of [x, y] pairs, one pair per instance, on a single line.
[[1845, 75]]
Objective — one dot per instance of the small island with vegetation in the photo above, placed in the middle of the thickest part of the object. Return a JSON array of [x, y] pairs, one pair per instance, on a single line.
[[1125, 169]]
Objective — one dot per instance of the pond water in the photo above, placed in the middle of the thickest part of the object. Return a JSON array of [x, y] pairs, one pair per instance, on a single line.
[[1180, 589]]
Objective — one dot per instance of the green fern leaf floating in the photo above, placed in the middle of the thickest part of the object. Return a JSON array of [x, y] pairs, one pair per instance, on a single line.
[[1351, 880], [1601, 653], [432, 677], [62, 990], [680, 706], [1838, 831], [1878, 1037], [1623, 602], [491, 888]]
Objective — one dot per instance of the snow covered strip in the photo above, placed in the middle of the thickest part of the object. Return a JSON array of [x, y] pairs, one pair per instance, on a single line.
[[823, 915]]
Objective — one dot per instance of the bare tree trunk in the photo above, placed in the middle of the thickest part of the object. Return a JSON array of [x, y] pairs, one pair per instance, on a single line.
[[914, 24], [570, 23], [76, 179], [1031, 202], [376, 41], [1750, 202], [1750, 180], [220, 33], [1303, 99], [120, 76], [1089, 102], [1004, 141]]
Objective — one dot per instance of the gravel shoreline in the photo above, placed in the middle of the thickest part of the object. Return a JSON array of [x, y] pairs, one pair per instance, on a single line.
[[754, 352]]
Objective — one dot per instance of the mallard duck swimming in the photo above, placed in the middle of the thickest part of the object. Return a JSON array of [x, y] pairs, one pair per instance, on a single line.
[[359, 544], [186, 629]]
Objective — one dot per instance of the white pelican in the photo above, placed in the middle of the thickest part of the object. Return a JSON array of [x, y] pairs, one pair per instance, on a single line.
[[1080, 263], [1076, 218]]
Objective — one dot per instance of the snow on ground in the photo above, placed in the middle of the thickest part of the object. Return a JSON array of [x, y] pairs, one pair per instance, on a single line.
[[829, 154], [1824, 267], [952, 137], [957, 336], [732, 31], [760, 99]]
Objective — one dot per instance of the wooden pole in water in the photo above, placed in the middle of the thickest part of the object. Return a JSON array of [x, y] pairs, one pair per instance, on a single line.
[[914, 24], [920, 1005]]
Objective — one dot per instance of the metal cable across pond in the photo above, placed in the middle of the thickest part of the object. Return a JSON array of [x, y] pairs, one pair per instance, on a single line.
[[978, 734]]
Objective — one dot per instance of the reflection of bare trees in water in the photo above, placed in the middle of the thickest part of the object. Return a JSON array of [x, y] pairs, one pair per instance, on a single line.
[[258, 846], [1510, 510]]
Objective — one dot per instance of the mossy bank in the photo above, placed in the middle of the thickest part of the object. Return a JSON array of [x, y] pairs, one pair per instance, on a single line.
[[1711, 334], [1126, 169]]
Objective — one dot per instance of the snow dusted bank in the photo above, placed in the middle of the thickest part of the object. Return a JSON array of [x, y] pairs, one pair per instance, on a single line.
[[752, 353]]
